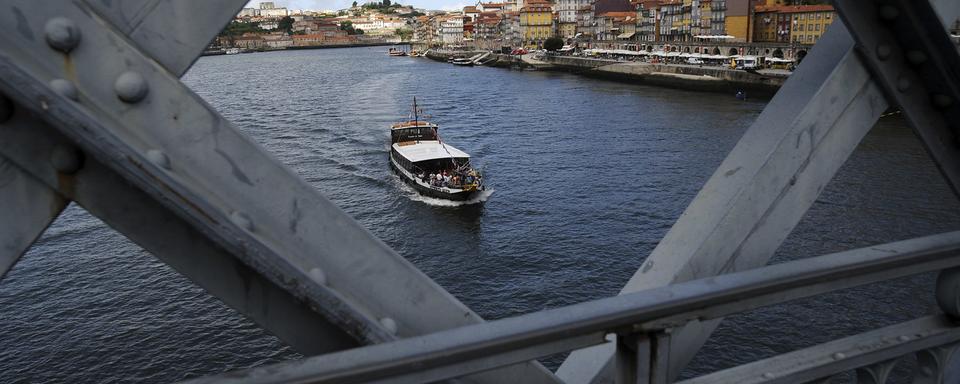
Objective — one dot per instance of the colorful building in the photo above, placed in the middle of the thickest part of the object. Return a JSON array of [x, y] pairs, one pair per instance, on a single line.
[[799, 24], [809, 22], [536, 22]]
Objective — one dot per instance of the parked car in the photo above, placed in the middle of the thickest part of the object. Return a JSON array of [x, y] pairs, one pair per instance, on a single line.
[[519, 51], [694, 61]]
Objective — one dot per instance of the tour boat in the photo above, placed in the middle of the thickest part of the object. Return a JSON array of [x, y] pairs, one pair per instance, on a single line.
[[429, 165], [396, 52]]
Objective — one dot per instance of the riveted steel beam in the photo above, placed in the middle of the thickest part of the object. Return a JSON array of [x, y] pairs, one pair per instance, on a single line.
[[28, 208], [124, 110], [446, 354], [55, 164], [904, 44], [173, 32], [760, 191]]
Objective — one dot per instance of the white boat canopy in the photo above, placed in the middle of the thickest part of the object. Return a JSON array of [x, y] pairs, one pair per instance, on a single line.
[[428, 150]]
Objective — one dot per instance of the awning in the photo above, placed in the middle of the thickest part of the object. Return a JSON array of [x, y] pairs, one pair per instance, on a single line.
[[625, 35]]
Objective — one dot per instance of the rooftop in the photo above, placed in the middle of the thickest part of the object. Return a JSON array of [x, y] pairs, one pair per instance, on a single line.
[[428, 150]]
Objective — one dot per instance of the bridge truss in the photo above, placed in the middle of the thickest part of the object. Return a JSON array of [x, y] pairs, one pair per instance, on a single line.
[[92, 111]]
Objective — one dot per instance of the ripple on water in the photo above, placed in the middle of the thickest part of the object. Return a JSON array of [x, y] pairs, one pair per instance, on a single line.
[[588, 174]]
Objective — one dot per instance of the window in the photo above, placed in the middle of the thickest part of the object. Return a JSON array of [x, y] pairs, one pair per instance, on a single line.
[[803, 16], [828, 15], [817, 27]]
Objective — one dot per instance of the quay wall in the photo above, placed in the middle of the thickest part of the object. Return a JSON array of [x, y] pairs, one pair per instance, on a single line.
[[706, 78]]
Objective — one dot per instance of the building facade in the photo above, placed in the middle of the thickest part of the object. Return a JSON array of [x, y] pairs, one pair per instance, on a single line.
[[536, 22]]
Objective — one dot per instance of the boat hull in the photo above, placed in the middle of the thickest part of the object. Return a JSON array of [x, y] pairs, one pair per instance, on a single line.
[[436, 192]]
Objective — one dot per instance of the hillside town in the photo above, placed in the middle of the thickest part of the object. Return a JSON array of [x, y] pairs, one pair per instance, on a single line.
[[271, 27], [773, 28]]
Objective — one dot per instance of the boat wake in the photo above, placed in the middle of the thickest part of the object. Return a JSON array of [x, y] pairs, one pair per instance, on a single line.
[[412, 194]]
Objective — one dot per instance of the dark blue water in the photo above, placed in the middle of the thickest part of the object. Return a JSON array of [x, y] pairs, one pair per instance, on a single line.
[[588, 175]]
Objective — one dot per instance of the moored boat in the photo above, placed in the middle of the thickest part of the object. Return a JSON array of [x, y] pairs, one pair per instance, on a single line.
[[432, 167], [463, 61], [396, 52]]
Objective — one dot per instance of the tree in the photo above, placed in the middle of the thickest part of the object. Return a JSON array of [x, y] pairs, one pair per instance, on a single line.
[[354, 4], [286, 24], [386, 3], [553, 43], [348, 26]]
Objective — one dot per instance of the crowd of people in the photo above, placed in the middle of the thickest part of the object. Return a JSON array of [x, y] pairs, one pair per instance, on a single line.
[[450, 179]]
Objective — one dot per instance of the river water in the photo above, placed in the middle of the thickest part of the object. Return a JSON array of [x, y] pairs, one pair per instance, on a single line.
[[587, 176]]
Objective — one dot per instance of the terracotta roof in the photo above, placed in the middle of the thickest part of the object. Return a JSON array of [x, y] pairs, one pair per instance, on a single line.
[[617, 14], [470, 8]]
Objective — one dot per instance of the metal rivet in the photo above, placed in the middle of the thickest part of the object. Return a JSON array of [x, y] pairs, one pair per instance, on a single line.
[[64, 88], [158, 158], [66, 159], [131, 87], [241, 220], [389, 324], [768, 375], [904, 338], [916, 57], [319, 276], [941, 101], [903, 83], [6, 108], [883, 51], [926, 372], [62, 34], [839, 355], [889, 12]]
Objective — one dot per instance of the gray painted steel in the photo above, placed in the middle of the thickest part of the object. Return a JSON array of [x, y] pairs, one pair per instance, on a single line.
[[29, 143], [173, 32], [484, 346], [102, 119], [760, 191], [131, 115], [909, 54], [879, 348], [28, 208]]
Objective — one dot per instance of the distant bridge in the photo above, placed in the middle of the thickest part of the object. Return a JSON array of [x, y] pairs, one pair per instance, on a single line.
[[92, 111]]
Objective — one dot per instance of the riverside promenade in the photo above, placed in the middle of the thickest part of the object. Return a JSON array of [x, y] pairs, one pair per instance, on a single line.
[[711, 78]]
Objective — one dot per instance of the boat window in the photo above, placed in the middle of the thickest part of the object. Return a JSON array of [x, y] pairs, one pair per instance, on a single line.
[[413, 134]]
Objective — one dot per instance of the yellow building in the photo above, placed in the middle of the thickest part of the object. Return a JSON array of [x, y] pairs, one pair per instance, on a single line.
[[536, 22], [739, 19], [808, 22], [567, 30]]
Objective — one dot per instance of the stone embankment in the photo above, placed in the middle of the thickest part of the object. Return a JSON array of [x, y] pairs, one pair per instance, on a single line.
[[762, 83]]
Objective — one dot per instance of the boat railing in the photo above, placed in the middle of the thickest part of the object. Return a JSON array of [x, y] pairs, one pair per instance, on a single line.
[[639, 325]]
